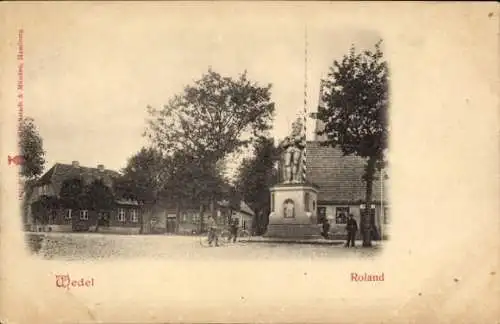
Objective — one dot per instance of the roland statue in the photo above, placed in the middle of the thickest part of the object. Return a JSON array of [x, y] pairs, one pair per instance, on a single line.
[[293, 146]]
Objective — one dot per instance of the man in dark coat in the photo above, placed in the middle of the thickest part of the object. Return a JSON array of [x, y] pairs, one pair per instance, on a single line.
[[352, 228], [233, 229], [326, 228]]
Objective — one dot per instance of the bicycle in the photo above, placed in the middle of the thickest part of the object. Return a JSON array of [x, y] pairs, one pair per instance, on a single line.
[[204, 240], [225, 237], [242, 236]]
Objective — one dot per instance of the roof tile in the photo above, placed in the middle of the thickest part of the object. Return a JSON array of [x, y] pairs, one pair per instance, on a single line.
[[339, 177]]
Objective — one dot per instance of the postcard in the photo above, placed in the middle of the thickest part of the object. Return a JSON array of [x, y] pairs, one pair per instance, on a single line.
[[249, 162]]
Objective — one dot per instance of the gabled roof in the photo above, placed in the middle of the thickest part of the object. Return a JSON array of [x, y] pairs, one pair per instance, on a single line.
[[339, 177], [244, 208], [61, 172]]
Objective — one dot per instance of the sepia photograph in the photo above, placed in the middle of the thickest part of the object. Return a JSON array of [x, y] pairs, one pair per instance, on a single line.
[[248, 162], [259, 162]]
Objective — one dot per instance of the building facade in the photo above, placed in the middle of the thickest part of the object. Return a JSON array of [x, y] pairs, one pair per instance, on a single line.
[[123, 217], [342, 190], [165, 218]]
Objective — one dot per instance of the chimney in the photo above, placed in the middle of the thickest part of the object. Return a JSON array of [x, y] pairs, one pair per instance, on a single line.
[[100, 167], [75, 164]]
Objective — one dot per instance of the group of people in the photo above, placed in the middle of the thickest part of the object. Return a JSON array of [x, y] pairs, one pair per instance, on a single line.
[[213, 235], [351, 228]]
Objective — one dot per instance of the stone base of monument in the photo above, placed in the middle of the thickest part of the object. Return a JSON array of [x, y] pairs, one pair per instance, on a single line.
[[293, 212], [293, 231]]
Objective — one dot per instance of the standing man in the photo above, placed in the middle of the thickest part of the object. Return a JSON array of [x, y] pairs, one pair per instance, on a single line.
[[212, 231], [233, 229], [352, 228], [326, 228]]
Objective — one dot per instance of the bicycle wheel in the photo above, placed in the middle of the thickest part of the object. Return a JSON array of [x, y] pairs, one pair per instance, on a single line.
[[204, 241], [224, 237], [243, 236]]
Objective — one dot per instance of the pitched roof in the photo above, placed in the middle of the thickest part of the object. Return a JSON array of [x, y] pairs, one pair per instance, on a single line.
[[61, 172], [244, 208], [339, 177]]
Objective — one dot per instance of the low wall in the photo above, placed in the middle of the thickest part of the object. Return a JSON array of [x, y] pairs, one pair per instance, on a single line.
[[187, 228], [59, 228], [49, 228], [119, 230]]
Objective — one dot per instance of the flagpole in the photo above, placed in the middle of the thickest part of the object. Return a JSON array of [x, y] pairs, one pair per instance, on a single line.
[[304, 153]]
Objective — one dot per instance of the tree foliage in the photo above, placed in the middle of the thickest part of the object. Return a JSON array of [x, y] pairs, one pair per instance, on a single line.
[[43, 206], [144, 176], [98, 196], [355, 112], [213, 117], [255, 177], [189, 180], [71, 194], [356, 100], [31, 146]]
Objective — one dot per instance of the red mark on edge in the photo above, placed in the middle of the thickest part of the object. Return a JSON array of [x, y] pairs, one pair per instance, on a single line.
[[17, 160]]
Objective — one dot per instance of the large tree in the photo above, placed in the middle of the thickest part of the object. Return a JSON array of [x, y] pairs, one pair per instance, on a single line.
[[31, 147], [354, 110], [211, 119], [255, 176], [189, 181], [143, 179], [144, 175]]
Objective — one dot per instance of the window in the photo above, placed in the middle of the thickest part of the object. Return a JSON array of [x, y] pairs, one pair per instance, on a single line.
[[341, 214], [306, 202], [43, 190], [314, 205], [386, 215], [67, 215], [121, 214], [133, 216], [84, 214]]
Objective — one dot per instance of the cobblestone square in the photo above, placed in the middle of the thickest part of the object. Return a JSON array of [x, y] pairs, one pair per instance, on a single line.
[[94, 246]]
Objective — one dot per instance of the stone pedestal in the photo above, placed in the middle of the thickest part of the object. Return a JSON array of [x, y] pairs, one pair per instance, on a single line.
[[293, 212]]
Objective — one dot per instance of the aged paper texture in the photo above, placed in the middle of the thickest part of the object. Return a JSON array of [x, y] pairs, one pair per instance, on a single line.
[[88, 72]]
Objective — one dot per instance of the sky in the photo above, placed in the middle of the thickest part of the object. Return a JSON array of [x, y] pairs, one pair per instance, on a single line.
[[89, 79]]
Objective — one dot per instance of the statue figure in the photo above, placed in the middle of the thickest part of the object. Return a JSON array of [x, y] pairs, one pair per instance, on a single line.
[[292, 146], [288, 209]]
